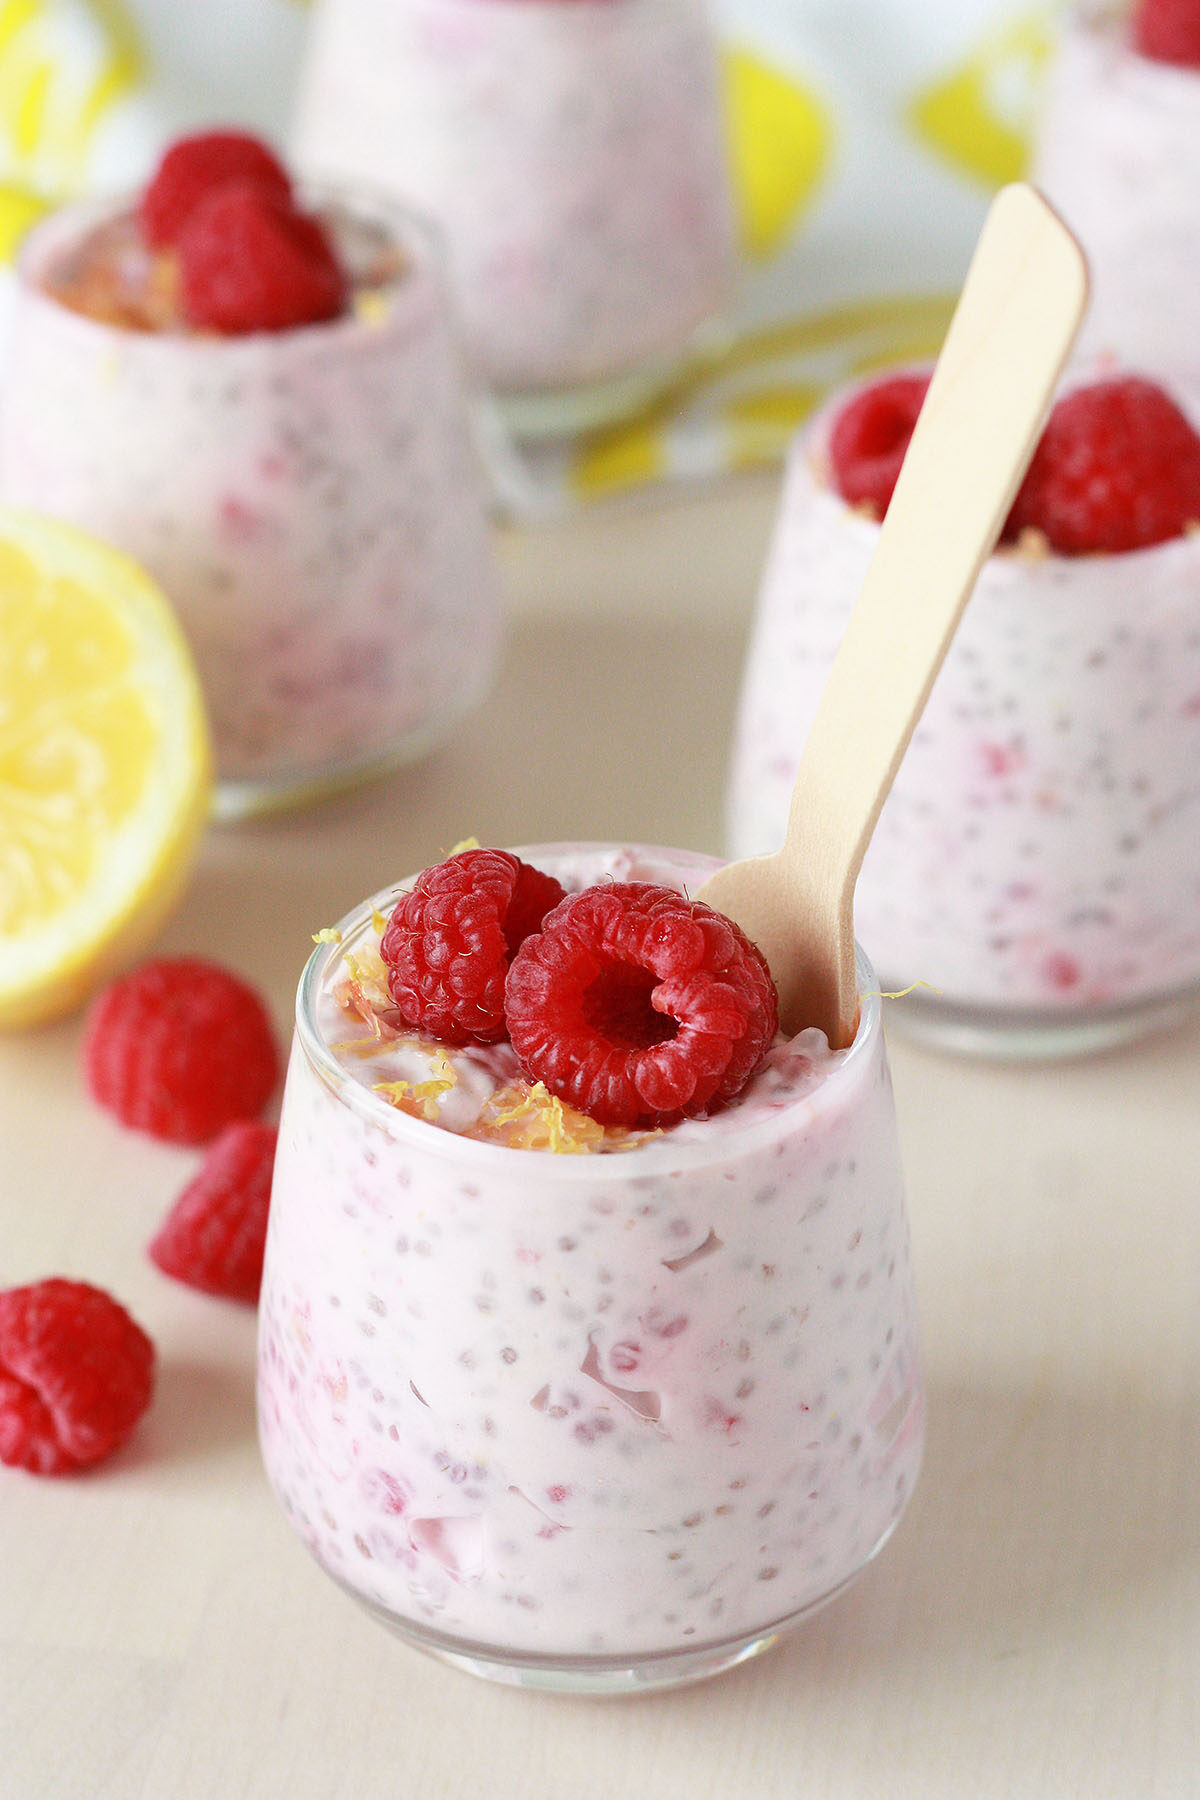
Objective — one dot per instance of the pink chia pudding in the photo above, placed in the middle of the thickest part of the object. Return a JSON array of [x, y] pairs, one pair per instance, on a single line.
[[309, 497], [570, 151], [596, 1421], [1118, 153], [1037, 862]]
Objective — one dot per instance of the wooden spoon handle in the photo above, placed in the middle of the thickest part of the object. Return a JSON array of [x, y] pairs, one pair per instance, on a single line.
[[1012, 330]]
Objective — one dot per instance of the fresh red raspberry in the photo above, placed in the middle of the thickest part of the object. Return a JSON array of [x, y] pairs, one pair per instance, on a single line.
[[76, 1375], [448, 944], [195, 167], [870, 438], [179, 1048], [639, 1006], [1117, 468], [249, 262], [1168, 31], [214, 1236]]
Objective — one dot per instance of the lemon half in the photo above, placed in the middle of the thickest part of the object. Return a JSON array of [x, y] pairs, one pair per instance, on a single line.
[[105, 769]]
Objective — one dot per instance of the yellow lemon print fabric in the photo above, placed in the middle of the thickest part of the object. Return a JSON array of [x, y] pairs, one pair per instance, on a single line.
[[63, 71], [779, 138], [864, 143], [979, 115]]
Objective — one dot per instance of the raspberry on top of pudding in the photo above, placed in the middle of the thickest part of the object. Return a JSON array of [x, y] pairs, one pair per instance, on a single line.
[[577, 1019], [1168, 31], [1117, 466], [218, 242]]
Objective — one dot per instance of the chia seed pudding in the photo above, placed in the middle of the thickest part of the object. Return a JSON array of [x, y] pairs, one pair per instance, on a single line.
[[572, 154], [308, 498], [600, 1421], [1118, 153], [1038, 860]]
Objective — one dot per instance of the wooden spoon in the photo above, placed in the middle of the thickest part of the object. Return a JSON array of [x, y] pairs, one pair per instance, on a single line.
[[1016, 318]]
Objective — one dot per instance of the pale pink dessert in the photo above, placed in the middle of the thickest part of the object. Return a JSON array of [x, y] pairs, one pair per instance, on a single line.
[[570, 152], [601, 1420], [1118, 153], [1037, 863], [308, 497]]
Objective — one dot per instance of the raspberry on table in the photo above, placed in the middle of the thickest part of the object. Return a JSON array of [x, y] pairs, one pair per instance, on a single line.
[[214, 1236], [448, 943], [870, 438], [639, 1006], [248, 261], [180, 1047], [76, 1375], [1117, 468], [1168, 31], [196, 166]]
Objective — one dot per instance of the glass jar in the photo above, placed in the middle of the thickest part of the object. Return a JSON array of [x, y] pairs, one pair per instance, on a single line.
[[594, 1423], [1117, 151], [1036, 867], [309, 499], [572, 153]]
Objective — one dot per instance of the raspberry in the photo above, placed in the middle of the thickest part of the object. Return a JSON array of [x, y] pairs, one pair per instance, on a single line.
[[870, 437], [1117, 468], [195, 167], [179, 1048], [1168, 31], [448, 944], [249, 262], [214, 1236], [76, 1375], [639, 1006]]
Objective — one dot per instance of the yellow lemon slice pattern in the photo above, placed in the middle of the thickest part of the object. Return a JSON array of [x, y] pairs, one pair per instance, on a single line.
[[105, 774], [738, 406], [979, 116], [63, 68], [780, 138]]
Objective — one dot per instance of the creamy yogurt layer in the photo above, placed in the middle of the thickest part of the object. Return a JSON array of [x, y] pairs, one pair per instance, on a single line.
[[1040, 849], [595, 1405], [309, 499], [570, 152], [1118, 153]]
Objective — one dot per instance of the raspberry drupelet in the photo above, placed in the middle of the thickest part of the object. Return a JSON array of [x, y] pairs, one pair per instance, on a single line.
[[76, 1374], [215, 1234], [197, 166], [870, 437], [1117, 466], [1168, 31], [179, 1048], [639, 1006], [249, 261], [449, 942]]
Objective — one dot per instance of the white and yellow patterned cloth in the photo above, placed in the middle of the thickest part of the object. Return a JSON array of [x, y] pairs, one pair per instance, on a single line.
[[864, 141]]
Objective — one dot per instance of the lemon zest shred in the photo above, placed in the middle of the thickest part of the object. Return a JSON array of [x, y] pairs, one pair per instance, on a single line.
[[371, 306], [421, 1098], [900, 993], [328, 934]]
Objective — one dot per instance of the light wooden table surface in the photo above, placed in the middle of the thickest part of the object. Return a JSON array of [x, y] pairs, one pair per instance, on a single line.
[[1033, 1630]]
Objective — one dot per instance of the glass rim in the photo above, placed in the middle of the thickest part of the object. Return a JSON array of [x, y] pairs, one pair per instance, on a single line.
[[411, 229], [650, 1156]]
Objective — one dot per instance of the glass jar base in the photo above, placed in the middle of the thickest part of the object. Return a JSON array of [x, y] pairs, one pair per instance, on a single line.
[[238, 797], [602, 1677], [1005, 1034], [543, 415]]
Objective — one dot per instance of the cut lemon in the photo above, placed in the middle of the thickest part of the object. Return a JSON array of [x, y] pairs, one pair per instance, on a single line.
[[105, 774]]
